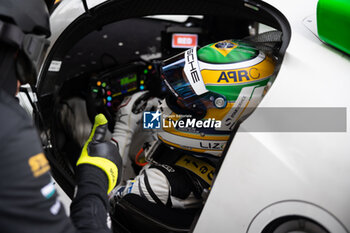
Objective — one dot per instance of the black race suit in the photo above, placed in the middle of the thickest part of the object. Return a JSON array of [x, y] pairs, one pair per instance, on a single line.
[[28, 200]]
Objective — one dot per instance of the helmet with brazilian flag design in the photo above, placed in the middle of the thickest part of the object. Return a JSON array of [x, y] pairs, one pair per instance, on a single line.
[[211, 89]]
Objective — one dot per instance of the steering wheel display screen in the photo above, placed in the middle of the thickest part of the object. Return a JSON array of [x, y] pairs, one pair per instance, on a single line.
[[109, 88], [124, 85]]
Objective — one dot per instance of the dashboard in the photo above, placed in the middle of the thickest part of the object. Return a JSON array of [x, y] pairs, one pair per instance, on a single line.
[[108, 89]]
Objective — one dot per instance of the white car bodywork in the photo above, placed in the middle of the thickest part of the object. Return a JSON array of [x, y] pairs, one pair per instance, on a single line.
[[270, 175]]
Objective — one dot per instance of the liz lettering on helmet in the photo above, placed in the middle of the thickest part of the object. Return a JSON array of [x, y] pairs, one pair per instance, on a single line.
[[239, 76], [212, 145]]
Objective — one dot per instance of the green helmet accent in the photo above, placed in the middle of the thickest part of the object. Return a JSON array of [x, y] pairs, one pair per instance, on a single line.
[[223, 83], [227, 51]]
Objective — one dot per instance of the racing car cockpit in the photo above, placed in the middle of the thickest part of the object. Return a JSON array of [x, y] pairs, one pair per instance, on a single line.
[[104, 51]]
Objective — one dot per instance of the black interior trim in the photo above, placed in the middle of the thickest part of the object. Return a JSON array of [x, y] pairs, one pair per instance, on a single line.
[[112, 11]]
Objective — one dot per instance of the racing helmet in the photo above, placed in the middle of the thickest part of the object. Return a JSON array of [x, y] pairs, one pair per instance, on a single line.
[[211, 89], [23, 27]]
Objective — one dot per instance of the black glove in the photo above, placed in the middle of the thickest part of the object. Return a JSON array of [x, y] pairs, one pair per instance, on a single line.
[[102, 154]]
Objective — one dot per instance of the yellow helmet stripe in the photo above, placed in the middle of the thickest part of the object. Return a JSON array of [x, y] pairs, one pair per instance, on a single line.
[[246, 75]]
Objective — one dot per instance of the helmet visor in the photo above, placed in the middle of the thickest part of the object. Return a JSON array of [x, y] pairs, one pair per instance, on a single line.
[[190, 98]]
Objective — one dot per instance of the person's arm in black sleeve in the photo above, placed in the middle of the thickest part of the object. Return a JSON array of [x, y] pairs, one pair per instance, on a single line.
[[97, 174], [28, 200]]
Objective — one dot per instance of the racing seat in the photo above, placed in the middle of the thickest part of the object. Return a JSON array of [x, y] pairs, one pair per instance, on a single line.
[[135, 214]]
